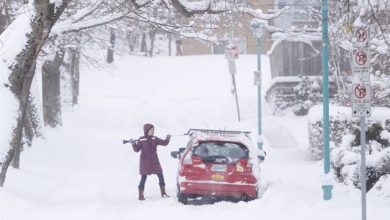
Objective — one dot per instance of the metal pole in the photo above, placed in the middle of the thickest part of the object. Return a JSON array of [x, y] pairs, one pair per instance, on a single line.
[[326, 187], [258, 51], [363, 165], [231, 42], [235, 92]]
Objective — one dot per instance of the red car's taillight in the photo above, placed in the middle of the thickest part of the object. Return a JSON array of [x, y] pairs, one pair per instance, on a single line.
[[189, 163], [191, 159], [243, 166]]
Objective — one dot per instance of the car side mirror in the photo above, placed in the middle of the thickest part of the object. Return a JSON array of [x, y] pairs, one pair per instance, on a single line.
[[175, 154]]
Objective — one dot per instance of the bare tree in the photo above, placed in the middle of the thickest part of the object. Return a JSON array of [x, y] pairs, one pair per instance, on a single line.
[[51, 90], [23, 72], [110, 50]]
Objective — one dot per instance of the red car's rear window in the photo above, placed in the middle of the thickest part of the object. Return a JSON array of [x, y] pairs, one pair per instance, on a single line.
[[232, 151]]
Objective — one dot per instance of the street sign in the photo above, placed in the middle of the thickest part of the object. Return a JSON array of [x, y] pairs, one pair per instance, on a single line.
[[257, 27], [361, 37], [361, 64], [231, 52], [361, 100], [232, 67], [257, 78]]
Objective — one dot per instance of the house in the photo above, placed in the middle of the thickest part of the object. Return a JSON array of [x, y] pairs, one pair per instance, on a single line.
[[293, 55], [243, 36]]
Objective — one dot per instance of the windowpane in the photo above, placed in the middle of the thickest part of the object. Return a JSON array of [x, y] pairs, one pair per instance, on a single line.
[[232, 151]]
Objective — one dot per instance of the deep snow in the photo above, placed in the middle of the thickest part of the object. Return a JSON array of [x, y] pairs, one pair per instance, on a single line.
[[82, 171]]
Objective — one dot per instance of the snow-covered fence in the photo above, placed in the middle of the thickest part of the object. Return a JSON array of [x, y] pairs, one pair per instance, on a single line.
[[295, 57], [345, 143]]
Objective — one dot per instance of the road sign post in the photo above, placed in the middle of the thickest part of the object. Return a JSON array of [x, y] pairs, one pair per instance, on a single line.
[[257, 78], [361, 96], [258, 28], [363, 166], [231, 54], [232, 67]]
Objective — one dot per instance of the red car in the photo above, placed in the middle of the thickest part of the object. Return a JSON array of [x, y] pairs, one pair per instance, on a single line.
[[218, 164]]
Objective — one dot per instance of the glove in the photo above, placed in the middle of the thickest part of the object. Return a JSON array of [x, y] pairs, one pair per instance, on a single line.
[[132, 141], [168, 137]]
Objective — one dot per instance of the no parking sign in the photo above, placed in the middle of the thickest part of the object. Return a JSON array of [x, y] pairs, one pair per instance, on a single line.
[[361, 100], [361, 64], [361, 36]]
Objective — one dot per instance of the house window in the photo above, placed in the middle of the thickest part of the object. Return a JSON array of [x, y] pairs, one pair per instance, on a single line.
[[241, 3], [219, 48], [282, 4]]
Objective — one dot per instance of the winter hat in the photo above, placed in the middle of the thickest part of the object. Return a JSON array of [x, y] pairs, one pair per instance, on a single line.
[[147, 127]]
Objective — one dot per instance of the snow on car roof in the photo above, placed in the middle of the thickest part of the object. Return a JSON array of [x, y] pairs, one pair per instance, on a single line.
[[199, 136]]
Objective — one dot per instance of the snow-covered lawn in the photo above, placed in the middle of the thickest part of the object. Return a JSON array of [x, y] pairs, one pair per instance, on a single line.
[[82, 171]]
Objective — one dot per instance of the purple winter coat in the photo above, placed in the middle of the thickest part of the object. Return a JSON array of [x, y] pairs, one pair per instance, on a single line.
[[149, 163]]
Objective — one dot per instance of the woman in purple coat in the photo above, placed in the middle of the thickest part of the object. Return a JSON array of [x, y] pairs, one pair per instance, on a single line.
[[149, 163]]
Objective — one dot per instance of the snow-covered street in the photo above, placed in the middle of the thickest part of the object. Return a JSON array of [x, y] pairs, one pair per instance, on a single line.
[[83, 171]]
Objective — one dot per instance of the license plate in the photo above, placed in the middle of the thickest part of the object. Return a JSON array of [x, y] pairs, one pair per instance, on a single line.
[[219, 167], [217, 177]]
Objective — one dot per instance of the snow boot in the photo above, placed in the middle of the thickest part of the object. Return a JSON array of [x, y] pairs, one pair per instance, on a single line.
[[163, 193], [141, 194]]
